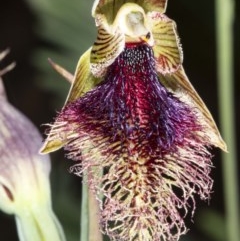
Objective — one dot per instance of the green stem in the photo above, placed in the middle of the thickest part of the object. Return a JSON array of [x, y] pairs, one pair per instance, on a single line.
[[94, 218], [90, 230], [224, 21], [84, 211]]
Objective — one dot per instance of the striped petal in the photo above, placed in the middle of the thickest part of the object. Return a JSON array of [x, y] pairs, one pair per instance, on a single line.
[[167, 48], [179, 84], [109, 8], [108, 45]]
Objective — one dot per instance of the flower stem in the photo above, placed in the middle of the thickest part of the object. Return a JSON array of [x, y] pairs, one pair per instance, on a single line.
[[90, 230], [84, 211], [224, 21], [94, 229]]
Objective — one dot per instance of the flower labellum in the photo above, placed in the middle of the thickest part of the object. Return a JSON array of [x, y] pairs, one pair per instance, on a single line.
[[24, 175], [136, 126]]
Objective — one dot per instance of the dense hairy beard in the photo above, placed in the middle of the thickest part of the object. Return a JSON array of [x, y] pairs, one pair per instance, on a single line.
[[150, 144], [132, 105]]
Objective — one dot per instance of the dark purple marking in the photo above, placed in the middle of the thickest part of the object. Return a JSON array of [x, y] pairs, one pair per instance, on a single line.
[[132, 106]]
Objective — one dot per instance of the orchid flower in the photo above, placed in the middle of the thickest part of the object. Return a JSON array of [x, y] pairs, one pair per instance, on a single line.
[[134, 123], [24, 175]]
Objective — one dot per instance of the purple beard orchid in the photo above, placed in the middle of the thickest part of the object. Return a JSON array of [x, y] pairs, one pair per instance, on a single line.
[[136, 126]]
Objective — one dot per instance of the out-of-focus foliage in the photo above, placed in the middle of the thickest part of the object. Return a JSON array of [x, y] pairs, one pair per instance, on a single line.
[[66, 29], [217, 228]]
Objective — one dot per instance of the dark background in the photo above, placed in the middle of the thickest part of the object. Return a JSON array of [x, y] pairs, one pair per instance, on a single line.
[[196, 26]]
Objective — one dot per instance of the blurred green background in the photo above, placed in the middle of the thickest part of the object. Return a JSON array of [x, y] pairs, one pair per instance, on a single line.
[[62, 30]]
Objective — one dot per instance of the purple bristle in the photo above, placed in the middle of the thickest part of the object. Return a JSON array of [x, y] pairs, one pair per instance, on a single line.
[[132, 104]]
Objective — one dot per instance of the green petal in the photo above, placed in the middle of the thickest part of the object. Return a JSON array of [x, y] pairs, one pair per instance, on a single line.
[[167, 48], [109, 8], [83, 78], [83, 82], [106, 48], [179, 84]]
